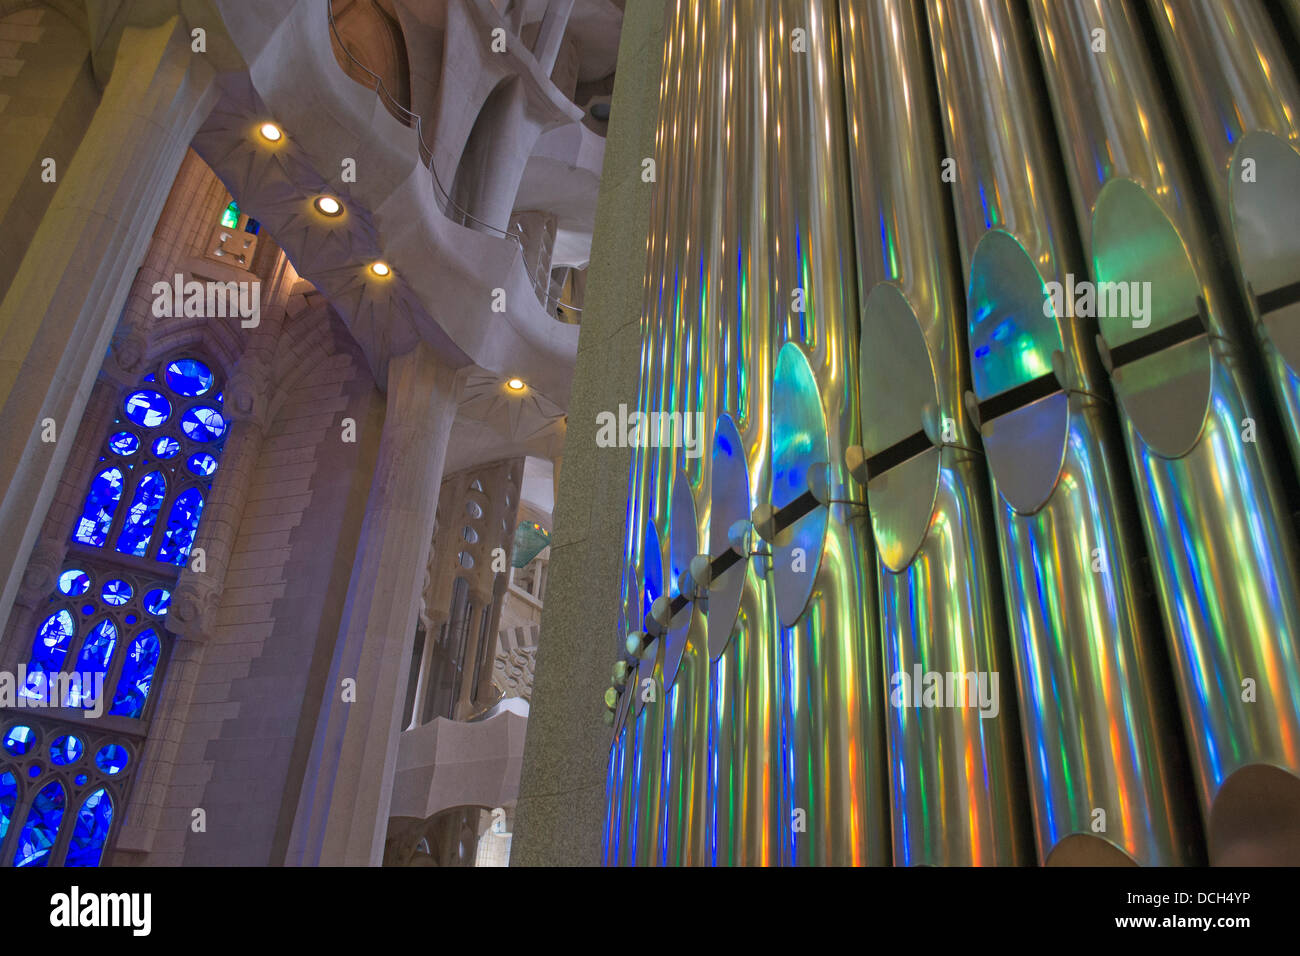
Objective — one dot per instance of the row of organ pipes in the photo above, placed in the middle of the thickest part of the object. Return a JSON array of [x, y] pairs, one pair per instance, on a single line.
[[871, 226]]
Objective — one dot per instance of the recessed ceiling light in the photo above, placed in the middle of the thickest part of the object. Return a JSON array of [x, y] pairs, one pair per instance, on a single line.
[[328, 206], [380, 268], [515, 384], [270, 132]]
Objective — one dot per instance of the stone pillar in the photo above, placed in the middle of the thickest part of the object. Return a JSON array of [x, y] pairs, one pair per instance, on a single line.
[[561, 809], [551, 33], [58, 315], [51, 548], [343, 810]]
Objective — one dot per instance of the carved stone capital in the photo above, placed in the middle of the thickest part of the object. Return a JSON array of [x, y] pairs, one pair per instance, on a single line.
[[42, 571], [193, 609], [247, 395], [127, 354]]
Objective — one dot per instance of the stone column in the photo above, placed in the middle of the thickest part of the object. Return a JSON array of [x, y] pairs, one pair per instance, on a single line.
[[551, 33], [51, 548], [343, 810], [560, 814], [58, 315]]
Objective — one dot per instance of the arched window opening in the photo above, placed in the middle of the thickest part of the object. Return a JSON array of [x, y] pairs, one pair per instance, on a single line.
[[91, 832], [101, 501], [42, 828], [101, 644]]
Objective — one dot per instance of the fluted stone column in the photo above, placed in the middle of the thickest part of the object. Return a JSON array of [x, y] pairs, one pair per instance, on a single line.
[[58, 315], [343, 810]]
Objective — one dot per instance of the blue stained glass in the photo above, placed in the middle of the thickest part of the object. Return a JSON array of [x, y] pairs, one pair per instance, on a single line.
[[137, 675], [35, 770], [48, 653], [166, 447], [202, 464], [112, 759], [148, 408], [203, 423], [80, 779], [87, 609], [19, 740], [116, 592], [130, 619], [157, 601], [42, 827], [138, 527], [182, 524], [189, 377], [101, 502], [151, 377], [8, 799], [74, 582], [93, 821], [93, 659], [66, 749], [124, 443]]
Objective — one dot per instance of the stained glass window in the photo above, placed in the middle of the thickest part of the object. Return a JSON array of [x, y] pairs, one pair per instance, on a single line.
[[101, 503], [116, 592], [8, 800], [166, 447], [230, 216], [93, 822], [202, 464], [203, 423], [66, 749], [124, 444], [157, 601], [138, 527], [49, 650], [112, 759], [18, 740], [42, 826], [148, 408], [182, 524], [189, 377], [137, 675], [100, 642], [74, 582], [95, 655]]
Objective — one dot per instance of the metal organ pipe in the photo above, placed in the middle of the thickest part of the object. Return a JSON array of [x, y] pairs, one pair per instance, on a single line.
[[767, 749], [1103, 775], [1217, 531], [937, 571], [1024, 396], [1243, 106]]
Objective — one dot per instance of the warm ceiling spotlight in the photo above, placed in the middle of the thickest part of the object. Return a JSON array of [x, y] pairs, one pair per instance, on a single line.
[[328, 206], [270, 132], [515, 384], [380, 268]]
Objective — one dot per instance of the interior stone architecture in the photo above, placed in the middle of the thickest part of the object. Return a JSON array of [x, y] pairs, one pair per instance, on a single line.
[[649, 432], [292, 297]]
